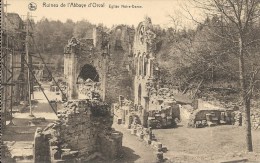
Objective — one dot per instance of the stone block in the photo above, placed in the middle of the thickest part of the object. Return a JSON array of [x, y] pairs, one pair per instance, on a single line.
[[53, 141], [69, 155], [55, 153]]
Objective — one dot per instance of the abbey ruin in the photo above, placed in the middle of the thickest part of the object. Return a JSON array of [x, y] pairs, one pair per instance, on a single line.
[[86, 91]]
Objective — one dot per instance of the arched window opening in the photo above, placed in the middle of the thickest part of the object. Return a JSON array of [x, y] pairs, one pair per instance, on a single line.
[[89, 72]]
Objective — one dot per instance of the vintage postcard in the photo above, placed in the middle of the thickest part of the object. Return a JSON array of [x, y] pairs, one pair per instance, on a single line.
[[130, 81]]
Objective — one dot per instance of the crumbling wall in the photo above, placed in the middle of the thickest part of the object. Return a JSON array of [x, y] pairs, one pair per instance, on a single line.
[[121, 37], [83, 130], [255, 120], [158, 98], [120, 75], [114, 65]]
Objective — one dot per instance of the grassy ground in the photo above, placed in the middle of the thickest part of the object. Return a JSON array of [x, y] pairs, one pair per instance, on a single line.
[[207, 144]]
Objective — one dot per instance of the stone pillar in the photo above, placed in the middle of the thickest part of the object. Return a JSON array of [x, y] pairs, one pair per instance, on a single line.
[[151, 68], [74, 92], [72, 74]]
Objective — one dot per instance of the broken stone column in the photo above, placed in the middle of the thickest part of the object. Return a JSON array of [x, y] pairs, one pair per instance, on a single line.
[[73, 77], [41, 153], [71, 62]]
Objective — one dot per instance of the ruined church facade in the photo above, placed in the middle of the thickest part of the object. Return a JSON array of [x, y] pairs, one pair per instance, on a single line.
[[143, 61], [108, 57]]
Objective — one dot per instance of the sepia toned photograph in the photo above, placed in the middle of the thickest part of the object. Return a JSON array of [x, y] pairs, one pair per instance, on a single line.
[[130, 81]]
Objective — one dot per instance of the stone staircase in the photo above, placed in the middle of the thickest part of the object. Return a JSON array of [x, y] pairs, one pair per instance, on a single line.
[[18, 152]]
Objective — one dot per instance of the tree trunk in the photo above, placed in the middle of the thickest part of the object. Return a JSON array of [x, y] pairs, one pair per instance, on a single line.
[[244, 97]]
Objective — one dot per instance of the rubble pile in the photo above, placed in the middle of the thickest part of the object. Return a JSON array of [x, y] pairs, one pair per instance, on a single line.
[[147, 135], [255, 120], [126, 102], [255, 114], [162, 93], [165, 93], [236, 118], [88, 88], [83, 130], [198, 118], [142, 132]]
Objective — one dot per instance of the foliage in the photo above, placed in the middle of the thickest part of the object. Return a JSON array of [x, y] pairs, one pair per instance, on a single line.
[[51, 37], [83, 29]]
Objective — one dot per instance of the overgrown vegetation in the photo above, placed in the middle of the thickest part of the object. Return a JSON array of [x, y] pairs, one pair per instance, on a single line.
[[51, 37], [224, 48]]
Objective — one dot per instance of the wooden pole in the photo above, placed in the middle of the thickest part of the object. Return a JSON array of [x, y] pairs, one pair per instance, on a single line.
[[28, 65], [11, 87]]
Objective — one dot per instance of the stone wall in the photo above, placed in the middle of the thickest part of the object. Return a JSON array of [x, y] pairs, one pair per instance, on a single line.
[[83, 132], [119, 77]]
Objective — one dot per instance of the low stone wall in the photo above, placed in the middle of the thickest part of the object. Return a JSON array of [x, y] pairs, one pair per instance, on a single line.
[[83, 132]]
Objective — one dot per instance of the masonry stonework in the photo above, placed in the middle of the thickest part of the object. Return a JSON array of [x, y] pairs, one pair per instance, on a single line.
[[143, 61], [109, 52], [82, 133]]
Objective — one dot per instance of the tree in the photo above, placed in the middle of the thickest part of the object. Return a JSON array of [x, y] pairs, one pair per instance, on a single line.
[[238, 17], [82, 29]]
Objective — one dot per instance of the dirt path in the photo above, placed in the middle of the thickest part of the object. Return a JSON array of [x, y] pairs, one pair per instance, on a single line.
[[135, 150]]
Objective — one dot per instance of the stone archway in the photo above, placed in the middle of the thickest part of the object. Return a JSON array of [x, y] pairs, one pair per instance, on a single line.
[[88, 72]]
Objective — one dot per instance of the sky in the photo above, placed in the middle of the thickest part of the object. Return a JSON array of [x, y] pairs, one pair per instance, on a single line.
[[157, 10]]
